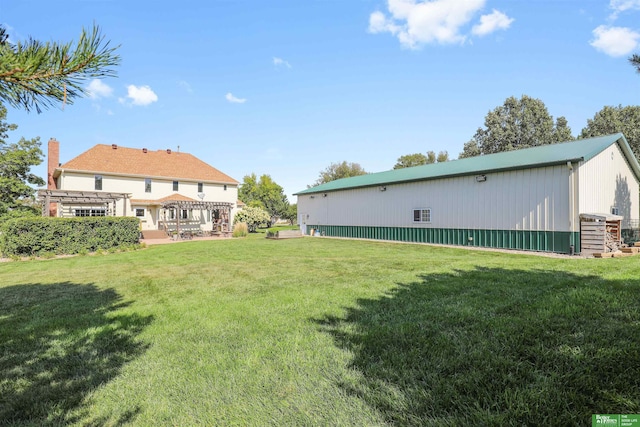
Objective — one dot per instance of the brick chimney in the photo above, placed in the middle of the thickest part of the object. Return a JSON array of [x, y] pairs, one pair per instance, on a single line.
[[53, 160]]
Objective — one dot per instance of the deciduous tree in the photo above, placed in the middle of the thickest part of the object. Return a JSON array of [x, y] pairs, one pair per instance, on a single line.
[[518, 123], [611, 120], [338, 171], [16, 179], [419, 159], [291, 214], [266, 193]]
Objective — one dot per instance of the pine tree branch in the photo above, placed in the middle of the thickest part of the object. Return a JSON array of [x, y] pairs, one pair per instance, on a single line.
[[38, 75], [635, 61]]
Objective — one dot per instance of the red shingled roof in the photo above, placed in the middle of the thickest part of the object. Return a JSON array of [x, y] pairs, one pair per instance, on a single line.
[[134, 161]]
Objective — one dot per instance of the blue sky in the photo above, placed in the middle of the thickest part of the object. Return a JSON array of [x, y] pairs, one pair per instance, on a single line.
[[287, 87]]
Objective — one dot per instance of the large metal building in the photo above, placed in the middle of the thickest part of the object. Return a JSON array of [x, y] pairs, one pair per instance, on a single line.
[[529, 199]]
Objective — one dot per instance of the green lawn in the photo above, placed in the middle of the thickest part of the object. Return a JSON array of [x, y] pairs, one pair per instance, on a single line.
[[313, 331]]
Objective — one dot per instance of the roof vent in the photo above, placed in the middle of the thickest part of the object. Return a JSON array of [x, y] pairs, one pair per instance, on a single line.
[[144, 150], [114, 146], [168, 150]]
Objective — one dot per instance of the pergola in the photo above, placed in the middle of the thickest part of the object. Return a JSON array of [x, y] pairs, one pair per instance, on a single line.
[[46, 197], [224, 208]]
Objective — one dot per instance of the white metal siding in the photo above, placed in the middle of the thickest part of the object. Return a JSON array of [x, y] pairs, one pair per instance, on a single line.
[[530, 199], [607, 181]]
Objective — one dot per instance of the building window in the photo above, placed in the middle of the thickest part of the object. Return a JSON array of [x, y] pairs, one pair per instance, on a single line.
[[225, 187], [200, 187], [98, 182], [147, 185], [184, 214], [175, 185], [422, 215], [140, 213], [90, 212], [172, 214]]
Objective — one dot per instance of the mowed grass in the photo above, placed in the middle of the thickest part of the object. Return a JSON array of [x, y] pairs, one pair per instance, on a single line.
[[315, 331]]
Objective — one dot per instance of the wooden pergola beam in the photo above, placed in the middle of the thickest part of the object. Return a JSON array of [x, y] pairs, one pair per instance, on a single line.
[[80, 197]]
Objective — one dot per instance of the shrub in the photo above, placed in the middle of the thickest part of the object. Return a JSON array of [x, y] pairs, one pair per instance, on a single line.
[[240, 230], [253, 217], [37, 235]]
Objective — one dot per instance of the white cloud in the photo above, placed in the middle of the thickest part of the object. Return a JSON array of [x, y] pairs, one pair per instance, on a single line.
[[97, 89], [185, 85], [279, 62], [141, 95], [619, 6], [229, 96], [496, 20], [615, 41], [415, 22]]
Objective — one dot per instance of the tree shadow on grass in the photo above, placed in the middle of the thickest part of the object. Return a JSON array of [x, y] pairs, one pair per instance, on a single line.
[[495, 347], [58, 343]]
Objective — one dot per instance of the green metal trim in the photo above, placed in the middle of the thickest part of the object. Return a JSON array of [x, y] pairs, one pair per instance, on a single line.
[[526, 240]]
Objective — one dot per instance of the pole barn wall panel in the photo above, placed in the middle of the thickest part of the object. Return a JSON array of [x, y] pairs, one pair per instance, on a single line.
[[607, 181], [528, 199]]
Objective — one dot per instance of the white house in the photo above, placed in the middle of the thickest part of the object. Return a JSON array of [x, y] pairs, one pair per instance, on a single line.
[[528, 199], [165, 189]]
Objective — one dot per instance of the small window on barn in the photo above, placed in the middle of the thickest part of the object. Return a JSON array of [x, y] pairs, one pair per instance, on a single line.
[[98, 182], [147, 185], [422, 215], [140, 213], [175, 185]]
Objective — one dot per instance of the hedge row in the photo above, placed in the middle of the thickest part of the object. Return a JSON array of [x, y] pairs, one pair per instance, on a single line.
[[36, 236]]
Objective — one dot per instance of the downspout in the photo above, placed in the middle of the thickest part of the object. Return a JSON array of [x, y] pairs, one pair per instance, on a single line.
[[572, 208]]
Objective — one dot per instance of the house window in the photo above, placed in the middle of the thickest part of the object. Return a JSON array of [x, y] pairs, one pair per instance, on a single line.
[[225, 187], [184, 214], [422, 215], [140, 213], [200, 187], [172, 214], [90, 212], [147, 185], [175, 185], [98, 182]]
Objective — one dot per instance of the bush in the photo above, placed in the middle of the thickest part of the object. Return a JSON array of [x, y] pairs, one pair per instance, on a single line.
[[37, 235], [253, 217], [240, 230]]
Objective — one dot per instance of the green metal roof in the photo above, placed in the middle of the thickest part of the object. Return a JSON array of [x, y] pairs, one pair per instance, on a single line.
[[545, 155]]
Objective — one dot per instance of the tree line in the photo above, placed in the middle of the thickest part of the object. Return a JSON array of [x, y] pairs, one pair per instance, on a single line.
[[518, 123], [37, 75]]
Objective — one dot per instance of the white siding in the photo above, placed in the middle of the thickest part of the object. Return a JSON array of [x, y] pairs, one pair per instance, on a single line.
[[530, 199], [607, 181]]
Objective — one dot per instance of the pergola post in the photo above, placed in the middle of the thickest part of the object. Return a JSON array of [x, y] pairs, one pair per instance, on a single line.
[[178, 209], [179, 205]]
